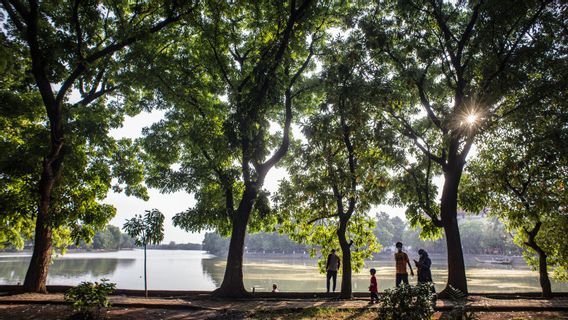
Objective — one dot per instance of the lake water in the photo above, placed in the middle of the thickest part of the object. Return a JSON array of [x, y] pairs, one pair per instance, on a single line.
[[197, 270]]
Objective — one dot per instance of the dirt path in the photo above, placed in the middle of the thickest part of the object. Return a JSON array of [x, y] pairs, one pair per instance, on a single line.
[[52, 306]]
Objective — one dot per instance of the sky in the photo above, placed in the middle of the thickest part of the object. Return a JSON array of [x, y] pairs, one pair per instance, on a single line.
[[172, 203]]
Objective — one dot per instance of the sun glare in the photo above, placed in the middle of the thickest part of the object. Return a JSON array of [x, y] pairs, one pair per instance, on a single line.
[[471, 119]]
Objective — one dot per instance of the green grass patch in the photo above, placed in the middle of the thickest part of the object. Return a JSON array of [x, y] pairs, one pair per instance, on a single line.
[[314, 313]]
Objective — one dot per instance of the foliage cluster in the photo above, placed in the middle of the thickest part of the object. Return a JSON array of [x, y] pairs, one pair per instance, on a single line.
[[109, 238], [76, 209], [407, 302], [89, 299], [521, 177], [146, 229]]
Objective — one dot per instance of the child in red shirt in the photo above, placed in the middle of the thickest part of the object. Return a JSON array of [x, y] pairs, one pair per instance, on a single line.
[[373, 287]]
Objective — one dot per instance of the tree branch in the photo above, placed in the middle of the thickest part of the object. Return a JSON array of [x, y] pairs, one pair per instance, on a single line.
[[221, 64], [467, 33], [93, 95], [467, 147], [532, 236], [505, 60], [224, 181], [426, 102], [322, 217], [44, 86], [448, 35], [78, 32], [279, 154], [424, 205], [412, 134], [295, 16], [109, 50]]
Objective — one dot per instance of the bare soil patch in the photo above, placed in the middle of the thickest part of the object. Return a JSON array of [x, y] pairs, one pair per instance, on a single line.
[[52, 312]]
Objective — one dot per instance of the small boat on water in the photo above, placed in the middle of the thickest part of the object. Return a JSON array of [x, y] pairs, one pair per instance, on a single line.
[[496, 260]]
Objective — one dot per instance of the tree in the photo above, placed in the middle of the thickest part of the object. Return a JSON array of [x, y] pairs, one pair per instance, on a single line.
[[116, 236], [223, 89], [147, 229], [336, 175], [399, 227], [126, 241], [76, 212], [391, 230], [215, 244], [521, 177], [108, 238], [455, 65], [75, 45], [384, 230]]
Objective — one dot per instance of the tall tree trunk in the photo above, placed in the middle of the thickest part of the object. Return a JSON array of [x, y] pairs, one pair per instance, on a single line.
[[449, 202], [542, 261], [233, 285], [346, 287], [543, 274], [456, 265], [36, 276]]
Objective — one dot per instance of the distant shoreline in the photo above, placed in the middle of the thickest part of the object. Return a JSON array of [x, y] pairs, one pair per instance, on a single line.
[[222, 255], [30, 251]]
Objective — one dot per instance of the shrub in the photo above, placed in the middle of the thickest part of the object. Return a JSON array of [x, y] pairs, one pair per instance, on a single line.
[[88, 299], [407, 302]]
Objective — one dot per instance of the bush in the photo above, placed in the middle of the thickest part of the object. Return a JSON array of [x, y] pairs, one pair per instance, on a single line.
[[407, 302], [88, 299]]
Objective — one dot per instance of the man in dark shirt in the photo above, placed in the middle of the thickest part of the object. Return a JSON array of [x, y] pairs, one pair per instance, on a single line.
[[331, 267]]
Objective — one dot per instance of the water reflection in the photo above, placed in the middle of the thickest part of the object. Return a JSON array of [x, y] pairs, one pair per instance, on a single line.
[[96, 268], [13, 269], [214, 269]]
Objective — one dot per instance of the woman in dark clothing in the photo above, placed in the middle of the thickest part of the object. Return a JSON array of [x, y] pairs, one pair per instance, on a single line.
[[423, 266], [424, 274]]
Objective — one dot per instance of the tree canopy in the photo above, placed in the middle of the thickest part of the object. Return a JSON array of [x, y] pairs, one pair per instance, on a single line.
[[521, 176], [457, 64], [242, 68], [75, 47]]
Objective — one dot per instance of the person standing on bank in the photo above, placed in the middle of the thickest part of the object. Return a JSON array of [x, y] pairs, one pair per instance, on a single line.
[[423, 268], [331, 267], [401, 259]]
